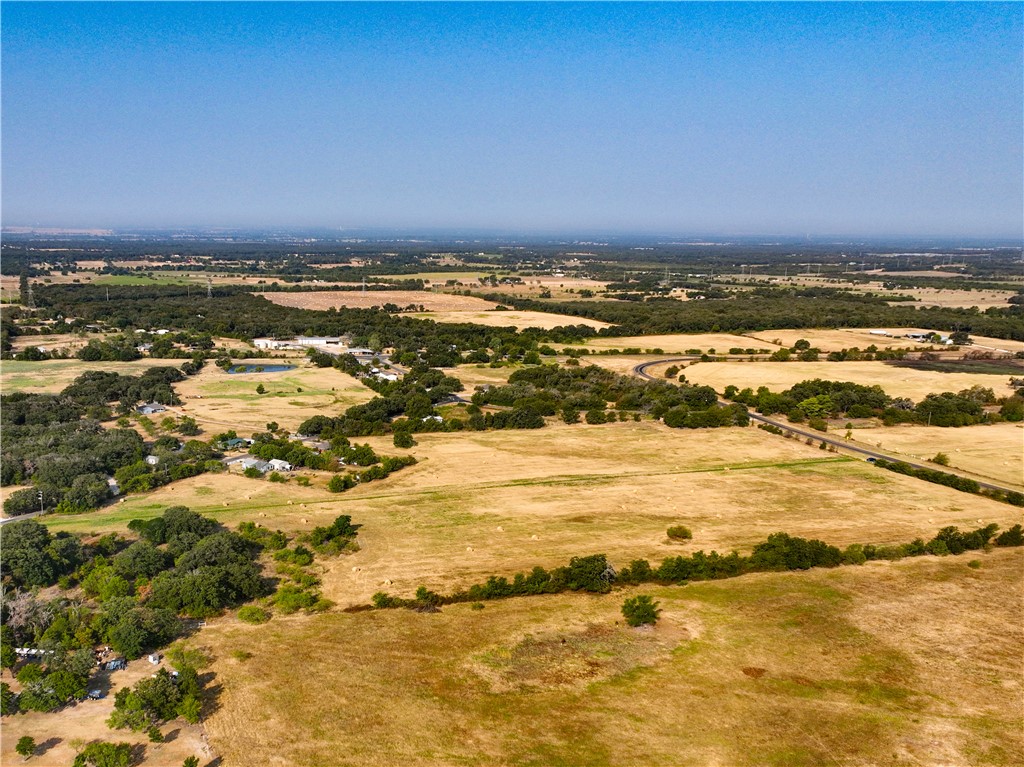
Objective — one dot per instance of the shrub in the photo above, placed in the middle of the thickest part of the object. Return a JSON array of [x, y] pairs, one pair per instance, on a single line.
[[253, 614], [974, 564], [679, 533], [253, 473], [640, 610], [941, 459]]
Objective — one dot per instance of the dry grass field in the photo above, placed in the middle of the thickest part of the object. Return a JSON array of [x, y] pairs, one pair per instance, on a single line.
[[832, 339], [70, 341], [907, 663], [897, 381], [222, 401], [485, 502], [325, 299], [512, 318], [678, 343], [914, 659], [53, 375], [995, 451]]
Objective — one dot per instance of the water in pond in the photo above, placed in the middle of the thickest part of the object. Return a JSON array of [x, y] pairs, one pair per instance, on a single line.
[[260, 368]]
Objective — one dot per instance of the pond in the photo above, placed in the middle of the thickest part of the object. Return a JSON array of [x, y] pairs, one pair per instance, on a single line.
[[260, 368]]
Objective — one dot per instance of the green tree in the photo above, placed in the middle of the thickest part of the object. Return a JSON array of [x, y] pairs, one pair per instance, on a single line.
[[190, 761], [8, 700], [100, 754], [26, 746], [261, 389], [7, 655], [404, 439], [640, 610]]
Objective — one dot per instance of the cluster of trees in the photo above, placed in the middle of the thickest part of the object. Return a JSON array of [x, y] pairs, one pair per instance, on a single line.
[[183, 563], [822, 399], [212, 568], [152, 701], [334, 538], [569, 391], [780, 552], [68, 457], [413, 396], [766, 308], [53, 683], [964, 484]]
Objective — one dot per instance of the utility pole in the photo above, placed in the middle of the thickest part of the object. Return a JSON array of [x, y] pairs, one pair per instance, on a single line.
[[209, 286], [39, 494]]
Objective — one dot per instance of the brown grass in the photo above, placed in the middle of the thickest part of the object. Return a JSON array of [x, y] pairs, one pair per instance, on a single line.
[[516, 319], [995, 451], [855, 666], [897, 381], [678, 343], [320, 300]]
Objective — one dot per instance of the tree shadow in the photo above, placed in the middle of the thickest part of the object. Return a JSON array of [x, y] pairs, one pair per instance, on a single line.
[[217, 761], [211, 694], [171, 735], [138, 754], [46, 745]]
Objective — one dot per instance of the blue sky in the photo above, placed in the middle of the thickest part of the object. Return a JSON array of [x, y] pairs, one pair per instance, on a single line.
[[871, 119]]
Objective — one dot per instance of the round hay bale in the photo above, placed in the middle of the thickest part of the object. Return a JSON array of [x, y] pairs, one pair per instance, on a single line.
[[356, 569], [304, 521], [290, 502], [469, 548], [387, 582], [501, 529], [534, 538], [225, 503]]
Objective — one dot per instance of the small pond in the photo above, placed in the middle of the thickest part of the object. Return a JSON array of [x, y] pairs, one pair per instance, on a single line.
[[260, 368]]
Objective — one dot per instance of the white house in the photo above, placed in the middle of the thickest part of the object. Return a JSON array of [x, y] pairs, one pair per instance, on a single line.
[[278, 465], [251, 462]]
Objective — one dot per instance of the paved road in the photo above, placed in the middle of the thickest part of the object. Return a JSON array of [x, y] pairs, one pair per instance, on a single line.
[[641, 370], [5, 520]]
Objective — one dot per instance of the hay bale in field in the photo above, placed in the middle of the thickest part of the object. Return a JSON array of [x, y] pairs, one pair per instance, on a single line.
[[303, 520]]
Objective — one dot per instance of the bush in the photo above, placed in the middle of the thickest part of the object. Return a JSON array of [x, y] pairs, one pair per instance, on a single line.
[[640, 610], [941, 459], [403, 439], [253, 614], [679, 533], [253, 473]]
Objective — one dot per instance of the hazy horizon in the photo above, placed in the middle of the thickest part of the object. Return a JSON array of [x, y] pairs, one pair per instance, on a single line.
[[628, 120]]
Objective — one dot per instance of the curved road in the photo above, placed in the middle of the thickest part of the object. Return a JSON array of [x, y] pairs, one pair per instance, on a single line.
[[641, 370]]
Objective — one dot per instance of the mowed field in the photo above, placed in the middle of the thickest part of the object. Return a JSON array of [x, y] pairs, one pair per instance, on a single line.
[[854, 665], [512, 318], [992, 450], [222, 401], [896, 381], [325, 299]]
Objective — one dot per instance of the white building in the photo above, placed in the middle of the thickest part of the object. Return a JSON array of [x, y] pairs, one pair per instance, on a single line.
[[278, 465]]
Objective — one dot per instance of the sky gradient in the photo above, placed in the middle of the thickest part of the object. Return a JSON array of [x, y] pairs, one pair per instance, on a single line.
[[871, 119]]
